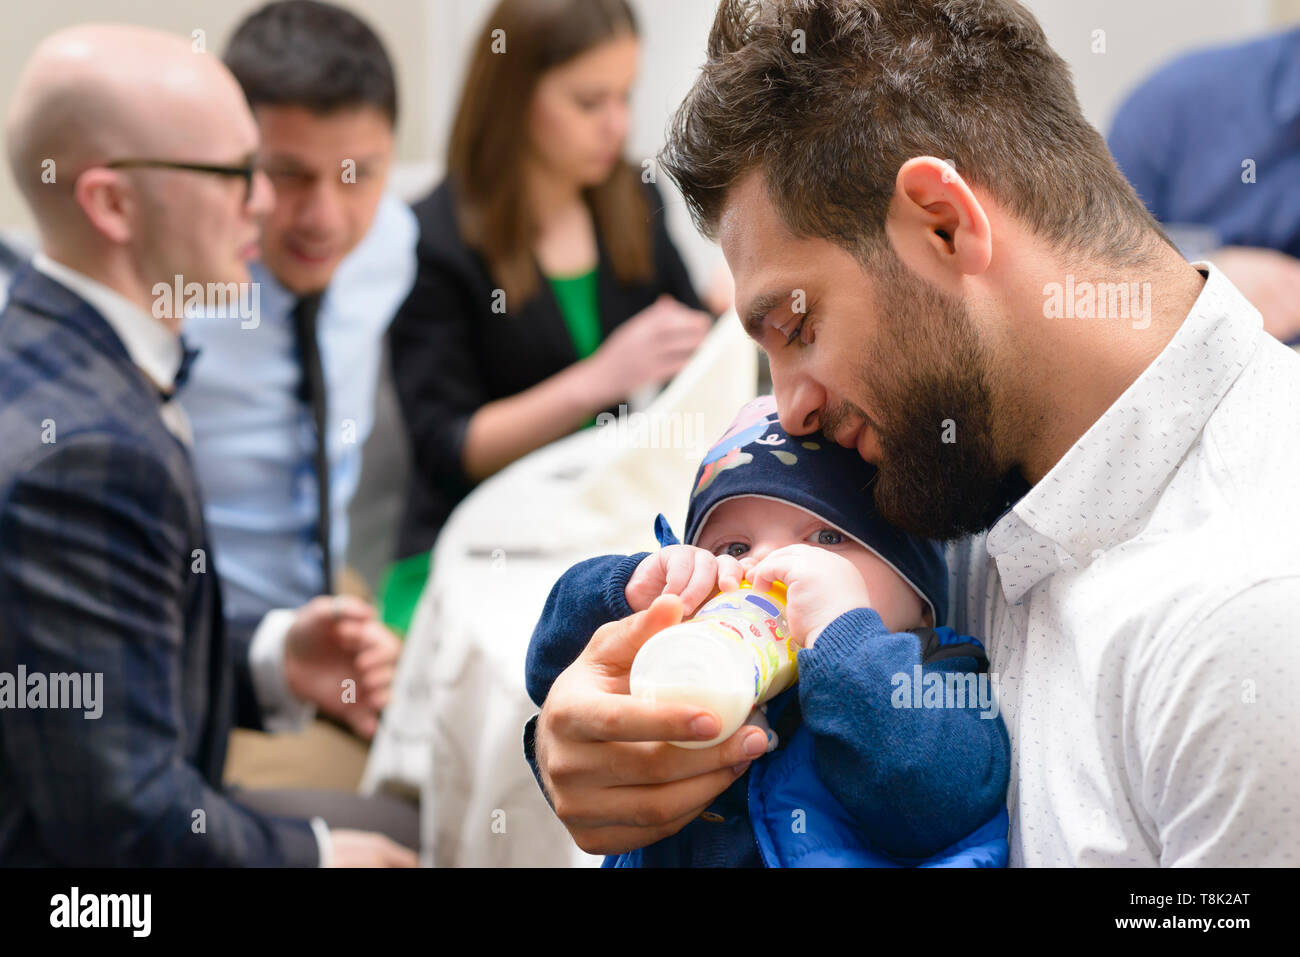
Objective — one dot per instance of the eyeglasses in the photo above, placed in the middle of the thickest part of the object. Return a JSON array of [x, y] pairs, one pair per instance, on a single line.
[[244, 172]]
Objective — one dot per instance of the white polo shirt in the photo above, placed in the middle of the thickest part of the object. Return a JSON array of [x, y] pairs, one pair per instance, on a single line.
[[1141, 607]]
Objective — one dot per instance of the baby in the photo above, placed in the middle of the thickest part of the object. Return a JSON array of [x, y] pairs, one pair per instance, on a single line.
[[863, 769]]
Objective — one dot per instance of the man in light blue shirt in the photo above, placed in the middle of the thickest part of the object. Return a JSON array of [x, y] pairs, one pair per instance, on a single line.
[[254, 438], [338, 247]]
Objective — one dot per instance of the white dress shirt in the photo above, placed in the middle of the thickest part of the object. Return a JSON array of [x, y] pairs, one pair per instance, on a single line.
[[157, 353], [1140, 607]]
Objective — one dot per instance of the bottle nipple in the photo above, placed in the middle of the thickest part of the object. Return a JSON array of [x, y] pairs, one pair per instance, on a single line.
[[777, 588]]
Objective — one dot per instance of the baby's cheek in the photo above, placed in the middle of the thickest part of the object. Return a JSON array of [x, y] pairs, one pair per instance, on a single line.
[[898, 605], [903, 611]]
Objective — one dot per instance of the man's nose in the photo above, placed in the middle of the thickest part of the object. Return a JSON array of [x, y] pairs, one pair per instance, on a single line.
[[262, 197], [323, 210], [617, 122], [799, 402]]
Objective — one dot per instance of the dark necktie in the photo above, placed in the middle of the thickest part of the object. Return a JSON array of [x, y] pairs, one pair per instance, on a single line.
[[311, 390], [188, 355]]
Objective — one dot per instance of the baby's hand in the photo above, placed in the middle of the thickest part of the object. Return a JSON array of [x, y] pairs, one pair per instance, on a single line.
[[820, 586], [684, 570]]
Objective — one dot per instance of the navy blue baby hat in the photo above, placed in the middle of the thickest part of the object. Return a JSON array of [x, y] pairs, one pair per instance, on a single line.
[[757, 457]]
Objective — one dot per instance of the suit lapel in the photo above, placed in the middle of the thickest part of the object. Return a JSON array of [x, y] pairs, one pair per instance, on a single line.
[[43, 295]]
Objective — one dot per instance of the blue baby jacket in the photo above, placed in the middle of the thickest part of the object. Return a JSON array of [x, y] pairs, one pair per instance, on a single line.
[[857, 780]]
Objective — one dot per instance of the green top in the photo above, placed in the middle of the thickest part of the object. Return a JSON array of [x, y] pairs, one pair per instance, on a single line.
[[580, 307]]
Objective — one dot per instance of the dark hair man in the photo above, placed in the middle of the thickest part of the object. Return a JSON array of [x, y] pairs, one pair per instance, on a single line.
[[282, 404], [948, 273]]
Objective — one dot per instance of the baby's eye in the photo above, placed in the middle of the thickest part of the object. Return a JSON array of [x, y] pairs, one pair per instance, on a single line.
[[734, 549], [828, 536]]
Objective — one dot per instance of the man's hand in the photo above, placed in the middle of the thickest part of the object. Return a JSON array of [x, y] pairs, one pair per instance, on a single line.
[[368, 849], [692, 573], [820, 586], [613, 779], [1270, 280], [339, 657]]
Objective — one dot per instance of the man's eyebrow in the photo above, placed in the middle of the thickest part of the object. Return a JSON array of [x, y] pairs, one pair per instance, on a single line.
[[763, 304], [282, 161], [287, 163]]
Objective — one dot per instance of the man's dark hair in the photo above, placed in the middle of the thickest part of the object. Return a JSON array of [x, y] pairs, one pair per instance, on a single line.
[[310, 54], [830, 97]]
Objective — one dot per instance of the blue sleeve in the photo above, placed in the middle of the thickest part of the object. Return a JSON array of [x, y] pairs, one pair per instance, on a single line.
[[1149, 134], [916, 779], [588, 595], [1137, 146]]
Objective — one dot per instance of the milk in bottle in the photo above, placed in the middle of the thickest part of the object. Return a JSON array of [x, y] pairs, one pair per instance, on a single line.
[[733, 654]]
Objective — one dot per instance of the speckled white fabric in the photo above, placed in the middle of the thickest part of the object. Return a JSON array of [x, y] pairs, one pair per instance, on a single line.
[[1141, 605]]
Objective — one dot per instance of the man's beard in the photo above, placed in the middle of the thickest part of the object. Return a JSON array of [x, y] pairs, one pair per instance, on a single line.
[[940, 474]]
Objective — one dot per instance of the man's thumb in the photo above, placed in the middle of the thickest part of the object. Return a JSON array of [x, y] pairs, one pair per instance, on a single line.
[[617, 643]]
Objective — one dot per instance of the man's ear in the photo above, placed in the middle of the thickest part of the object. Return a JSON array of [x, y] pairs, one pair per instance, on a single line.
[[107, 201], [936, 223]]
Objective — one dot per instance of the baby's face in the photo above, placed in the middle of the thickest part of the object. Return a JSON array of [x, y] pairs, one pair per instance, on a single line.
[[748, 528]]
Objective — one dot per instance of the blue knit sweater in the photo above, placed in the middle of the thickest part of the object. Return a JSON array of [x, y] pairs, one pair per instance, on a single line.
[[915, 780]]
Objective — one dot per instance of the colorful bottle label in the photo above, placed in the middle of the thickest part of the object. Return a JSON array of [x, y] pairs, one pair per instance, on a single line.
[[757, 620]]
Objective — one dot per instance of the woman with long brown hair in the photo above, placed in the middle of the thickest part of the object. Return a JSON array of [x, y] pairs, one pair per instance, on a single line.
[[548, 289]]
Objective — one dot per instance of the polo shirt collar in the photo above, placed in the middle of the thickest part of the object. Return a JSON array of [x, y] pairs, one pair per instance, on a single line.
[[1101, 490]]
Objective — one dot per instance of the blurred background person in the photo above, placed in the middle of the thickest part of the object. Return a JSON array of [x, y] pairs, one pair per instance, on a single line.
[[281, 409], [1209, 143], [282, 406], [11, 259], [103, 547], [548, 289]]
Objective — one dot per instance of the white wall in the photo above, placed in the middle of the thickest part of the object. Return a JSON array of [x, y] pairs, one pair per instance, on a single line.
[[399, 23], [1139, 36], [429, 40]]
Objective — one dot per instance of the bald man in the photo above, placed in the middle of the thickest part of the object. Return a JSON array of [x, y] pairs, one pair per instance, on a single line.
[[119, 681]]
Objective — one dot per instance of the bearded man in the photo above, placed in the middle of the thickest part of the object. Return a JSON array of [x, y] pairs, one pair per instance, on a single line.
[[903, 189]]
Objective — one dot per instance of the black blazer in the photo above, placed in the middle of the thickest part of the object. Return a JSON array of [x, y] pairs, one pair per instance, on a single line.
[[452, 354]]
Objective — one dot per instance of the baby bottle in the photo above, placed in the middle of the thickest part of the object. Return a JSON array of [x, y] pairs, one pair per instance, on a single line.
[[733, 654]]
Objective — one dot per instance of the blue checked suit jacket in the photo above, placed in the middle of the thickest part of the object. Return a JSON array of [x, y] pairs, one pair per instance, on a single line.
[[100, 572]]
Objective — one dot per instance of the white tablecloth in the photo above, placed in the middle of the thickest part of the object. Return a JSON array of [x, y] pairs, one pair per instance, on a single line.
[[453, 731]]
